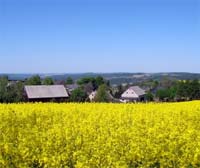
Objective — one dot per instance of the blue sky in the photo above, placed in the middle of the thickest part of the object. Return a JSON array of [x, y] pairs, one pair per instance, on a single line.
[[58, 36]]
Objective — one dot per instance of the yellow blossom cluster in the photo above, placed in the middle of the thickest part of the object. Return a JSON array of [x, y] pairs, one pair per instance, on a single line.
[[92, 135]]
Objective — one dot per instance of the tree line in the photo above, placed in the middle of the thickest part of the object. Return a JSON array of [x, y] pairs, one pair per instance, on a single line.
[[170, 90], [13, 91], [163, 90]]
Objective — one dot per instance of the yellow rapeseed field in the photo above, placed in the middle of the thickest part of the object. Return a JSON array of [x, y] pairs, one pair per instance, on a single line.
[[100, 135]]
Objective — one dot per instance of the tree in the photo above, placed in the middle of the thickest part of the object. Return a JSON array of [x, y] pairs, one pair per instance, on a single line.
[[48, 81], [19, 92], [34, 80], [108, 83], [78, 95], [11, 92], [184, 90], [3, 88], [173, 93], [102, 94], [10, 95], [119, 91], [96, 82], [167, 94], [181, 90], [69, 81], [149, 96], [195, 89], [163, 94], [86, 80], [155, 84], [99, 81], [166, 82]]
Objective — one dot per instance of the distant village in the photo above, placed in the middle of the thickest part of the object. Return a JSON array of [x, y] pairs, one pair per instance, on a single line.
[[96, 89]]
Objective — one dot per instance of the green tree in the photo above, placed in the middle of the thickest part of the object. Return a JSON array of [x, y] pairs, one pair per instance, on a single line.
[[163, 94], [102, 94], [69, 81], [167, 82], [34, 80], [10, 95], [19, 92], [119, 91], [172, 93], [78, 95], [155, 84], [85, 80], [99, 81], [3, 88], [13, 93], [96, 82], [149, 96], [195, 89], [48, 81], [184, 90], [181, 90]]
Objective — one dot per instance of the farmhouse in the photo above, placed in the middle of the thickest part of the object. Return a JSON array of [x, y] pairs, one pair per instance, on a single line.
[[46, 93], [92, 95], [134, 93]]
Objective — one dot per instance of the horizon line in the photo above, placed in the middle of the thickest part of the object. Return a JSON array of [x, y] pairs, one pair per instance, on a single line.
[[63, 73]]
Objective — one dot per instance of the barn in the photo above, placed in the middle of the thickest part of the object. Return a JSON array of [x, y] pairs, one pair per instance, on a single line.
[[45, 93], [133, 94]]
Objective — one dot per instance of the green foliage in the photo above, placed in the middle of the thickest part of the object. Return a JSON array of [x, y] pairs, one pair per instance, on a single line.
[[149, 96], [99, 80], [11, 92], [19, 90], [86, 80], [3, 88], [96, 82], [78, 95], [172, 93], [16, 93], [34, 80], [155, 84], [188, 89], [69, 81], [118, 92], [167, 82], [195, 89], [182, 90], [167, 94], [48, 81], [102, 94], [163, 94]]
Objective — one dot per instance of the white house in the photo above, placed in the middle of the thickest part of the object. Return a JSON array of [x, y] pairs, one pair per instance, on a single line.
[[92, 95], [134, 93]]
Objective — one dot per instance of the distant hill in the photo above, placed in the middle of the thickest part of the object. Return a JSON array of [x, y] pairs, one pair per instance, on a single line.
[[114, 78]]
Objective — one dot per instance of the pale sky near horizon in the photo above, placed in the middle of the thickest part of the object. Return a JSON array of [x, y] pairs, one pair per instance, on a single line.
[[70, 36]]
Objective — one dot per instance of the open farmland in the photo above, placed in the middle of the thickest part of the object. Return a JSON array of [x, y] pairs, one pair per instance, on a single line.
[[100, 135]]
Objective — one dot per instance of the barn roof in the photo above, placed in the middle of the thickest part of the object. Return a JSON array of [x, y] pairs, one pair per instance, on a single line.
[[46, 91], [137, 90], [133, 92]]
